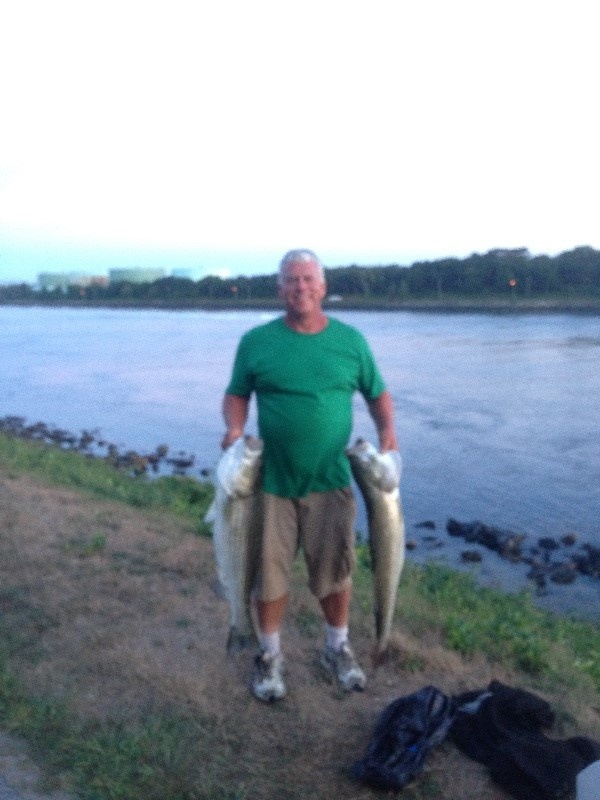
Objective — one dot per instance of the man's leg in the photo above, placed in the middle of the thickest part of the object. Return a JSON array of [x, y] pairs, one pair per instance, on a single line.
[[279, 547], [267, 681], [336, 607], [270, 615], [338, 657]]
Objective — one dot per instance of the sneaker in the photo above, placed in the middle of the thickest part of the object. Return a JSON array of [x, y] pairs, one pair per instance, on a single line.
[[343, 664], [267, 681]]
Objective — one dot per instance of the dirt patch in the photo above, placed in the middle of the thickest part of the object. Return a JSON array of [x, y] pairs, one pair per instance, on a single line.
[[121, 609]]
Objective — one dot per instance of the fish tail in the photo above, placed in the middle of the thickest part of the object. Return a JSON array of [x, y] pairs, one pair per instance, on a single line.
[[379, 655], [239, 640]]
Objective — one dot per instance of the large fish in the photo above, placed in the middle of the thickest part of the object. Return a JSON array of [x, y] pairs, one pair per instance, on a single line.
[[378, 478], [236, 518]]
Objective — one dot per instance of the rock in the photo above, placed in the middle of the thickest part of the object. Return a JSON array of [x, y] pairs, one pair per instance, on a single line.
[[547, 543], [563, 573], [569, 539], [471, 556], [588, 563], [506, 543], [538, 575]]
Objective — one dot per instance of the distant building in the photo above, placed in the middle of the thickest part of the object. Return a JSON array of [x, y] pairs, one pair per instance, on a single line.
[[135, 275], [51, 281]]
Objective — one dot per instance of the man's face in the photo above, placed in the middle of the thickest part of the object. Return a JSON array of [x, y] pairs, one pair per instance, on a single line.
[[303, 289]]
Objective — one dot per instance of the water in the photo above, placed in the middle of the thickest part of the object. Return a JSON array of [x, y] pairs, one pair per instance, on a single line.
[[498, 416]]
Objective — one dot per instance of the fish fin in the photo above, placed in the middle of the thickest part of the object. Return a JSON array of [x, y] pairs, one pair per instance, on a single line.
[[238, 640], [380, 655]]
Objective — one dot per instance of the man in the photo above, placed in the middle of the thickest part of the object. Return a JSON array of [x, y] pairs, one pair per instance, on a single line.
[[304, 368]]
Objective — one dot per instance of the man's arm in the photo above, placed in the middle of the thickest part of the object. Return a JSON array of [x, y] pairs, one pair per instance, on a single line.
[[382, 411], [235, 414]]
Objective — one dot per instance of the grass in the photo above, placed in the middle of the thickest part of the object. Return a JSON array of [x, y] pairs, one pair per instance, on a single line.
[[180, 495], [168, 754], [155, 759], [508, 629]]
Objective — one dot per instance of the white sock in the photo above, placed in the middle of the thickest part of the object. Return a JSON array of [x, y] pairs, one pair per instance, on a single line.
[[270, 642], [336, 637]]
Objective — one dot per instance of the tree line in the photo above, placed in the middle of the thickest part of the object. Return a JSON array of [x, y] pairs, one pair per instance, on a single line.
[[497, 274]]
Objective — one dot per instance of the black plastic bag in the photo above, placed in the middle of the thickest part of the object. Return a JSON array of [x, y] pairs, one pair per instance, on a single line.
[[407, 730], [504, 732]]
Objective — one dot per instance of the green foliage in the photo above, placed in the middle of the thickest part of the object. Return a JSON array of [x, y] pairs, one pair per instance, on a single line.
[[507, 628], [502, 275], [181, 495], [88, 545], [363, 555]]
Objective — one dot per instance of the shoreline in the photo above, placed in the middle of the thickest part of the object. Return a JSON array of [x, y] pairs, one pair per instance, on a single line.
[[579, 306], [578, 599], [533, 567]]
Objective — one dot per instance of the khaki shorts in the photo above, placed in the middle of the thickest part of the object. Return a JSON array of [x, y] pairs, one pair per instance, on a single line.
[[322, 524]]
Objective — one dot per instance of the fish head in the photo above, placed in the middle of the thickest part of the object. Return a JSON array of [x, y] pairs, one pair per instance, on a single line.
[[239, 469], [382, 470]]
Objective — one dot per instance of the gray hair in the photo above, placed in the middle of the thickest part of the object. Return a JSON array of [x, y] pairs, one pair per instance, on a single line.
[[292, 256]]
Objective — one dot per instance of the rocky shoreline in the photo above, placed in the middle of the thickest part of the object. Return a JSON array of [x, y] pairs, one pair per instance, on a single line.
[[90, 443], [561, 573], [549, 559]]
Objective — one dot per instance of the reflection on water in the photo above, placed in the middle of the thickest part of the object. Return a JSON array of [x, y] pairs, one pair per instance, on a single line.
[[497, 416]]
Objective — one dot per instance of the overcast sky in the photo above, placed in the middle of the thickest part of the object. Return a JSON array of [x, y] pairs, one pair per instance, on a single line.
[[216, 135]]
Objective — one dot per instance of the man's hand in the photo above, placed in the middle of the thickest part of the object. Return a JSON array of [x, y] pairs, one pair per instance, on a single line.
[[382, 411], [235, 413], [231, 436], [387, 440]]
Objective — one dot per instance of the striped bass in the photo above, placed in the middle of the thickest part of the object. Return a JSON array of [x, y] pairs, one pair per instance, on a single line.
[[236, 518], [378, 478]]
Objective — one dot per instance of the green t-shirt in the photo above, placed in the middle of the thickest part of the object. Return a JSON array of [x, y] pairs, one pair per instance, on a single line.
[[304, 385]]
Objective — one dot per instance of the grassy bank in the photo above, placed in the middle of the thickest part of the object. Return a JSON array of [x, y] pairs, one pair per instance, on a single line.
[[180, 495], [123, 713]]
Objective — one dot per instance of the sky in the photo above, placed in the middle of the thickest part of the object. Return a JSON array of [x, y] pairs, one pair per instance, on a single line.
[[214, 136]]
